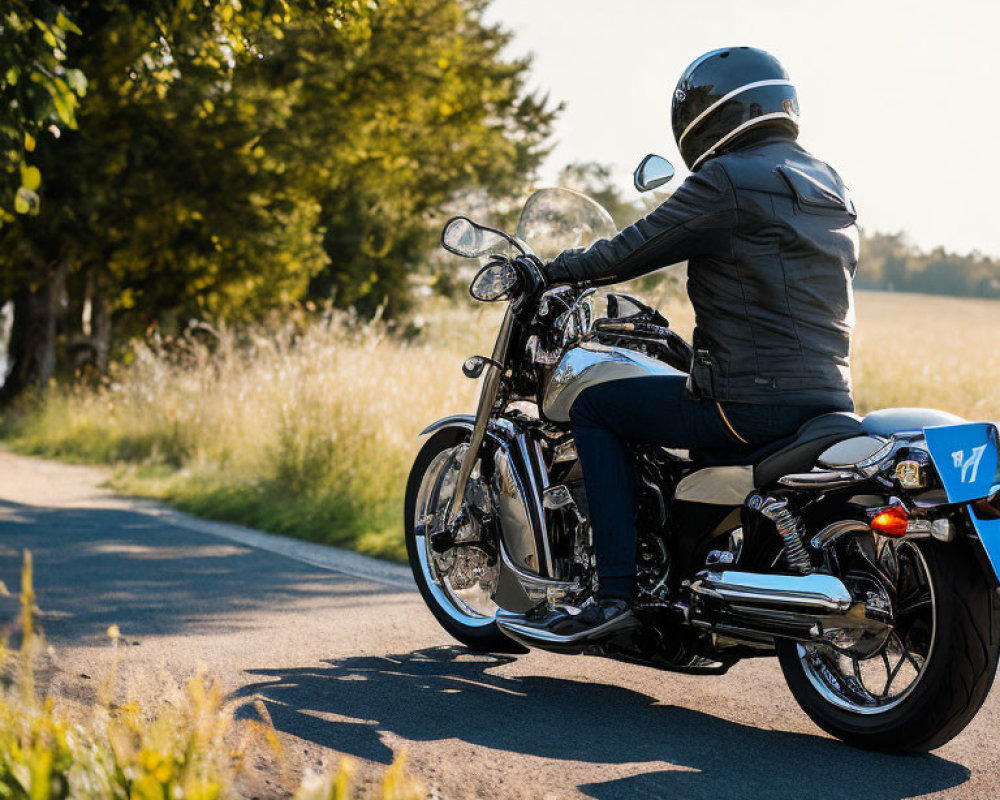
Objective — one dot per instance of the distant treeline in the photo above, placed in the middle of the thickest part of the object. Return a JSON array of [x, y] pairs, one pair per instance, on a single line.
[[889, 263]]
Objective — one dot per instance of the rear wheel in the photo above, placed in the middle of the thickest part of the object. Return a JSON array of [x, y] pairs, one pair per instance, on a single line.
[[928, 679], [457, 584]]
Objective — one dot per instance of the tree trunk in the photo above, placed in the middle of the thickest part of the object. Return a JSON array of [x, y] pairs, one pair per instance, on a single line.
[[97, 321], [54, 300], [33, 338], [22, 348]]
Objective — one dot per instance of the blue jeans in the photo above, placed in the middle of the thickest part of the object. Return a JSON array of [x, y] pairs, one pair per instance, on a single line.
[[655, 410]]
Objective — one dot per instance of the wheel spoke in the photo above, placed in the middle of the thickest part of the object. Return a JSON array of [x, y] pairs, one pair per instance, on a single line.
[[842, 681], [856, 666], [911, 607], [908, 656], [892, 675]]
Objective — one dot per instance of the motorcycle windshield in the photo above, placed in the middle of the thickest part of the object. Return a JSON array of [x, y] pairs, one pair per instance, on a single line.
[[554, 220]]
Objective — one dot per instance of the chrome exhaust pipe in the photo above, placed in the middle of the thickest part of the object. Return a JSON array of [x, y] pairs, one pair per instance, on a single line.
[[755, 607], [815, 593]]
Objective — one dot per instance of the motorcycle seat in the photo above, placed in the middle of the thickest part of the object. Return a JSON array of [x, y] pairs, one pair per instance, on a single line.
[[796, 453], [801, 452]]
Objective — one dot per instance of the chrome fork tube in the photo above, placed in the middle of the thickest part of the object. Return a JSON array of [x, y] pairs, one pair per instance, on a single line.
[[487, 398]]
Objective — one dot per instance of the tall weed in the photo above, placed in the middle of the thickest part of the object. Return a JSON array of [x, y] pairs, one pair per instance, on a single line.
[[183, 747]]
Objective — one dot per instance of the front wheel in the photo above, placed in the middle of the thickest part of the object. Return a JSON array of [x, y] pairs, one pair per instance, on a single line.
[[933, 672], [458, 584]]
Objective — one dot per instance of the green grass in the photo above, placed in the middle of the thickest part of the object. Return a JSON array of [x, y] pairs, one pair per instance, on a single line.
[[320, 515], [295, 491]]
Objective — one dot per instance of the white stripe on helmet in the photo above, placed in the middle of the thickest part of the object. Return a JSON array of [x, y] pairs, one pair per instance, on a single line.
[[729, 96], [739, 129]]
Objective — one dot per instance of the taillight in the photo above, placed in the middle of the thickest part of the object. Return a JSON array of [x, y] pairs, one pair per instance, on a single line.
[[891, 521]]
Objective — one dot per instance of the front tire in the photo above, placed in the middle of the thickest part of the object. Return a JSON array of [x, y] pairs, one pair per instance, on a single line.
[[951, 686], [471, 625]]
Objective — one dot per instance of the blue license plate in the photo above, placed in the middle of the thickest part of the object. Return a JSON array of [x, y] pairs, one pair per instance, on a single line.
[[967, 458]]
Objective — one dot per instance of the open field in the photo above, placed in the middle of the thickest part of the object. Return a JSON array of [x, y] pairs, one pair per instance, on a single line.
[[308, 428]]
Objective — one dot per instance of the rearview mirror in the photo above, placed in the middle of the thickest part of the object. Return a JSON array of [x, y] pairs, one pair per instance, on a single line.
[[463, 237], [653, 171]]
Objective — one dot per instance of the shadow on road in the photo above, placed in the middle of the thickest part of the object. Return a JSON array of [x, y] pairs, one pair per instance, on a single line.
[[447, 692], [95, 567]]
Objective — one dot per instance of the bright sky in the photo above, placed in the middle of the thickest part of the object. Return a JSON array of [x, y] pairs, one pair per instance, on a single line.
[[902, 98]]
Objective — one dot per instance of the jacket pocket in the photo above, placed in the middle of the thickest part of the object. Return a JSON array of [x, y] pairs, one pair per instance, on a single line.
[[701, 381], [816, 193]]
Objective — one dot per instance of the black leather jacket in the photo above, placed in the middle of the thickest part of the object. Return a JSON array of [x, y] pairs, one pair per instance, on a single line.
[[770, 238]]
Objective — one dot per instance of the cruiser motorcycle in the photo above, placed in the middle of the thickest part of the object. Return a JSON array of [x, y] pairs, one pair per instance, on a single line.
[[863, 551]]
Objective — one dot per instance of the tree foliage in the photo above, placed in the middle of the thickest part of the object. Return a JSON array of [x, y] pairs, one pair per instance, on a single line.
[[38, 91], [394, 123], [230, 157]]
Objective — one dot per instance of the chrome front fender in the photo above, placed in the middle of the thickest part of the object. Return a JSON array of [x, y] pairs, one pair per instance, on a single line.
[[520, 477], [468, 422]]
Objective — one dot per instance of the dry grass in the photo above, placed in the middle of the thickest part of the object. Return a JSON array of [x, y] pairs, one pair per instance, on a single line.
[[936, 352], [308, 427], [186, 746], [300, 428]]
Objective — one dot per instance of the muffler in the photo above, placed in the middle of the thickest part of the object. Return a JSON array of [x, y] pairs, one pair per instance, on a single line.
[[806, 608], [822, 594]]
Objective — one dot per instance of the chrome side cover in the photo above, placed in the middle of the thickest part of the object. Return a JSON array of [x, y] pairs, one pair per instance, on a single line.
[[722, 486], [590, 364], [519, 480], [515, 519]]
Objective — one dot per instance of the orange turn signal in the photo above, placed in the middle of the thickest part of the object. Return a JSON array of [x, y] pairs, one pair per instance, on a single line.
[[891, 521]]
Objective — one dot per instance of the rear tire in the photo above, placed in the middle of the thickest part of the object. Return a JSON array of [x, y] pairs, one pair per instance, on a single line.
[[955, 680], [479, 635]]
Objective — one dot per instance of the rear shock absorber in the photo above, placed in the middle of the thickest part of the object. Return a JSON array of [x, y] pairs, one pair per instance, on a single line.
[[789, 527]]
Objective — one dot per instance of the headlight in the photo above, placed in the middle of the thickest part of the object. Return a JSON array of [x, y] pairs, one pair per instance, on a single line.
[[494, 281]]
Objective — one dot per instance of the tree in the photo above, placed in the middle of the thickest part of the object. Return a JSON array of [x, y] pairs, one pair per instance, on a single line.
[[392, 126], [38, 94], [887, 261], [231, 157], [155, 200]]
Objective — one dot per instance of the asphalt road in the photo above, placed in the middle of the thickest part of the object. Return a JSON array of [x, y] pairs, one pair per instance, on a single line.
[[345, 659]]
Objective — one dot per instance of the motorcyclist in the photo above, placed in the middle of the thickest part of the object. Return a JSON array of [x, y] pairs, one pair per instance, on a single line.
[[769, 235]]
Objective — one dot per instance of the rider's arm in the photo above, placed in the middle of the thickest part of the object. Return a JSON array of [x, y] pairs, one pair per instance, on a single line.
[[698, 219]]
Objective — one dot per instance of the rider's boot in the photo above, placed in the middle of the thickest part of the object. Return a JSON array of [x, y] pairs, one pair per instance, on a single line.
[[600, 616]]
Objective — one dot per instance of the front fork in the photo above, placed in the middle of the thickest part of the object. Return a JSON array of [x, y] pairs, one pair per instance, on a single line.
[[487, 401]]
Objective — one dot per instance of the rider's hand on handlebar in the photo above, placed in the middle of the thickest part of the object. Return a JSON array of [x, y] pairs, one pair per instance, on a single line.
[[553, 273]]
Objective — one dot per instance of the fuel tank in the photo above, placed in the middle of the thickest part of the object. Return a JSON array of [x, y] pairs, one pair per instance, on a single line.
[[589, 364]]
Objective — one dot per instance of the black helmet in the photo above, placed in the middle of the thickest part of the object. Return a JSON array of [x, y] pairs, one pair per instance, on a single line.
[[724, 93]]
